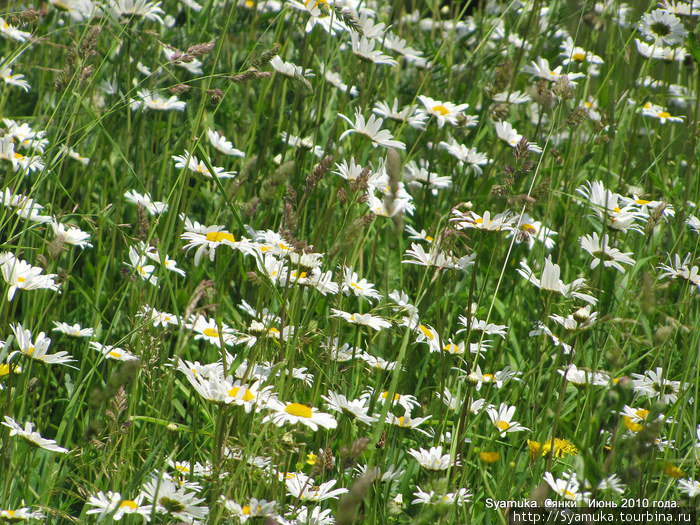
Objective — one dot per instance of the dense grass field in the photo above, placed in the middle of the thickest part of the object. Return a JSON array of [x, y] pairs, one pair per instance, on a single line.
[[316, 261]]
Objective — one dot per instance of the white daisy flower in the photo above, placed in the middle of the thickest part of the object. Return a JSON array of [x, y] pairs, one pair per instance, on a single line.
[[138, 262], [460, 497], [468, 157], [145, 200], [113, 352], [305, 488], [599, 249], [10, 32], [681, 269], [612, 483], [10, 79], [550, 281], [373, 321], [71, 235], [222, 144], [689, 487], [411, 115], [653, 384], [364, 48], [150, 100], [357, 408], [254, 508], [470, 219], [540, 68], [502, 419], [433, 458], [195, 165], [580, 377], [73, 330], [21, 514], [510, 135], [659, 112], [444, 112], [662, 27], [572, 53], [208, 330], [170, 499], [408, 421], [163, 319], [294, 413], [289, 69], [352, 284], [372, 129], [31, 436], [568, 488], [435, 257], [37, 349]]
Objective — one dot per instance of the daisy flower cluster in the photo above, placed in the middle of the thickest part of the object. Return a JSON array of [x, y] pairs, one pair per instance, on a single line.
[[336, 261]]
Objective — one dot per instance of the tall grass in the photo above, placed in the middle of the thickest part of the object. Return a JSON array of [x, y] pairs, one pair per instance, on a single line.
[[125, 422]]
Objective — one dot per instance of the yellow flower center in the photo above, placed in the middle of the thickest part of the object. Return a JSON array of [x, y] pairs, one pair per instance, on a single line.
[[401, 421], [128, 503], [20, 279], [502, 425], [441, 109], [182, 468], [529, 228], [579, 56], [4, 370], [487, 378], [385, 394], [18, 156], [663, 114], [631, 425], [247, 395], [30, 351], [246, 508], [210, 332], [113, 353], [569, 494], [298, 410], [427, 333], [220, 237], [642, 201]]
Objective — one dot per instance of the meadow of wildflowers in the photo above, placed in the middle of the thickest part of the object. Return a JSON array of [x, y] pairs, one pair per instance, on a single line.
[[346, 261]]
